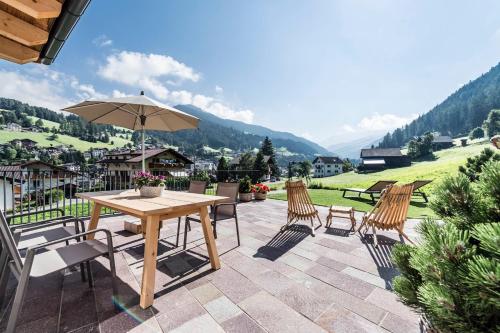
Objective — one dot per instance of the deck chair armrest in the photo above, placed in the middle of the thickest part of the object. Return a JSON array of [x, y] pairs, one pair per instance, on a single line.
[[61, 240], [47, 210], [79, 224], [46, 222]]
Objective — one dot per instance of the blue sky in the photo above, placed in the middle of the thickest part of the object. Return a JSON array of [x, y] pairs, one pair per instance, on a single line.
[[327, 70]]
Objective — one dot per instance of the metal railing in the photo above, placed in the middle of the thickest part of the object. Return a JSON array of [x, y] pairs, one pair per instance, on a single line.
[[30, 196]]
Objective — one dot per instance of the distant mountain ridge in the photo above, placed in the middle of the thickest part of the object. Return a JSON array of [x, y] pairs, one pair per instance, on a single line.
[[250, 128], [353, 148], [458, 114]]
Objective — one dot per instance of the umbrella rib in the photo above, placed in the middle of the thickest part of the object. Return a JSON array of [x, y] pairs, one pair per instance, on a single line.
[[105, 114], [82, 106]]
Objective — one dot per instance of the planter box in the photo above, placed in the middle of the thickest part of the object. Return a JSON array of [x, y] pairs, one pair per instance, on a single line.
[[133, 226], [245, 197], [260, 196], [151, 191]]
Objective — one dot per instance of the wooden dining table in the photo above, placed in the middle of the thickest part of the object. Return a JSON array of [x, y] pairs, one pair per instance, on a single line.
[[152, 211]]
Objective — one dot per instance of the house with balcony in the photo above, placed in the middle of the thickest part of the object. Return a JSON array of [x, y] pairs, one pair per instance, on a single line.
[[325, 166], [123, 165], [382, 158]]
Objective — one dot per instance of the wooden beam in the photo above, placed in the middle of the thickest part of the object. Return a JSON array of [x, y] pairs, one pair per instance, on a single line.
[[21, 31], [16, 52], [38, 9]]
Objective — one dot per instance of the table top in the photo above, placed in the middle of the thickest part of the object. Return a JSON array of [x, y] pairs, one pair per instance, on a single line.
[[170, 201]]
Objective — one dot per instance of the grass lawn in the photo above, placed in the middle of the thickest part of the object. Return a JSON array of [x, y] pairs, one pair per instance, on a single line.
[[418, 208], [446, 163], [43, 141], [46, 123]]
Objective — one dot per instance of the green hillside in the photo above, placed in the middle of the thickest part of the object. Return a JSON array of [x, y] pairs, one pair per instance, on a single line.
[[43, 140], [446, 163], [462, 111]]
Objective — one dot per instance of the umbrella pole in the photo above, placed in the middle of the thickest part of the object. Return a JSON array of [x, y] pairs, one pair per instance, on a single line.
[[142, 147]]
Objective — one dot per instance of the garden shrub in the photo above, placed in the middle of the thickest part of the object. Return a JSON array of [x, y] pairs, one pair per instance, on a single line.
[[453, 275]]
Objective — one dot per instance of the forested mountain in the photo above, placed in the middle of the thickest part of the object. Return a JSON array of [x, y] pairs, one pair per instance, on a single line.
[[462, 111], [213, 131]]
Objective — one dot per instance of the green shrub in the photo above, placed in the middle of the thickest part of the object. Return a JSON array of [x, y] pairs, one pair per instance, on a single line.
[[453, 275], [476, 133], [315, 186], [245, 185]]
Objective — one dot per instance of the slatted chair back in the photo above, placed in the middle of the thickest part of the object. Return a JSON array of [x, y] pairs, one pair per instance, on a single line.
[[229, 190], [380, 185], [8, 245], [197, 186], [299, 202], [417, 184], [391, 210]]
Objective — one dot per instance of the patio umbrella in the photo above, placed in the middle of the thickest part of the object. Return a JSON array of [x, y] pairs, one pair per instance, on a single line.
[[134, 112]]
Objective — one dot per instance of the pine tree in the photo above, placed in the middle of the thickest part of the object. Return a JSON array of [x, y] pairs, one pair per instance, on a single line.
[[453, 275], [222, 167], [268, 150], [259, 167], [492, 123]]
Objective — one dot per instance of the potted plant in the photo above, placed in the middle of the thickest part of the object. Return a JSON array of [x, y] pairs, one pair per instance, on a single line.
[[245, 189], [260, 191], [148, 185]]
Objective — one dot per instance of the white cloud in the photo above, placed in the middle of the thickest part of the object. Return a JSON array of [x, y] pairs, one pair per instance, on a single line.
[[146, 71], [219, 89], [348, 128], [45, 87], [102, 41], [383, 122], [211, 105]]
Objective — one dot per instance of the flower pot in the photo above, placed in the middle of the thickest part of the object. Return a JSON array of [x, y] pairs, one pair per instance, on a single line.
[[260, 196], [245, 197], [151, 191]]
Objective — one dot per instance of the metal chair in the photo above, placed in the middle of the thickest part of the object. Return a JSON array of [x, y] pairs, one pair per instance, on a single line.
[[222, 211], [195, 186], [51, 260], [31, 234]]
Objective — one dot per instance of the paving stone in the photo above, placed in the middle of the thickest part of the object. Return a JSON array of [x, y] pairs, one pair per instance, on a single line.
[[341, 281], [235, 286], [81, 298], [178, 316], [338, 266], [304, 301], [397, 324], [92, 328], [273, 282], [367, 277], [297, 262], [330, 243], [134, 319], [275, 316], [341, 320], [222, 309], [42, 325], [242, 323], [389, 301], [203, 323], [206, 293]]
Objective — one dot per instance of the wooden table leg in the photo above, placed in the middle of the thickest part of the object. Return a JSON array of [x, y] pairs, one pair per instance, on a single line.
[[149, 269], [209, 237], [94, 219]]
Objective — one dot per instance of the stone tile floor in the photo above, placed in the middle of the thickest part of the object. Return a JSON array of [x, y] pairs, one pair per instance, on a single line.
[[273, 282]]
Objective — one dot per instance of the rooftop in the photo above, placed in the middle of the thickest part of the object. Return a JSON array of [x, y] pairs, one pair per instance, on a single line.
[[273, 282], [381, 152], [328, 159]]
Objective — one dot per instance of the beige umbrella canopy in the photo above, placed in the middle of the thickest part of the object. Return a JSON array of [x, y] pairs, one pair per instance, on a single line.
[[134, 112]]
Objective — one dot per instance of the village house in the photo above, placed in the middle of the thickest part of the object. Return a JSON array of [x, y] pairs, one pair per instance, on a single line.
[[325, 166], [382, 158], [442, 142], [16, 181], [23, 143], [13, 127], [163, 161]]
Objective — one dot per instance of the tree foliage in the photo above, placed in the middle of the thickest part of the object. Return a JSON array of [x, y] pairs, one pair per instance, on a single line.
[[421, 146], [473, 166], [492, 123], [453, 275], [476, 133]]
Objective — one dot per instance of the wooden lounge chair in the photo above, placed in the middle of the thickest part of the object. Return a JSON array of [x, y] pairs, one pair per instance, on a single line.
[[374, 189], [300, 206], [417, 185], [390, 211]]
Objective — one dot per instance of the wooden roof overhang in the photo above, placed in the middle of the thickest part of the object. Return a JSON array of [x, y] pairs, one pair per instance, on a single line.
[[35, 30]]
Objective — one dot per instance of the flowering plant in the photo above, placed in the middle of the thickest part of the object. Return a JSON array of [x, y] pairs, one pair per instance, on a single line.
[[142, 178], [260, 188]]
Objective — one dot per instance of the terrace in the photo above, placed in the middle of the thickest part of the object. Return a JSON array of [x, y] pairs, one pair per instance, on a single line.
[[275, 282]]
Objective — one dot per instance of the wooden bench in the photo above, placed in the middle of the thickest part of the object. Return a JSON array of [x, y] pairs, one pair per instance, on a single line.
[[341, 211]]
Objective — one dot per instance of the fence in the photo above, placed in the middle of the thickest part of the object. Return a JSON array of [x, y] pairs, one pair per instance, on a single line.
[[29, 196]]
